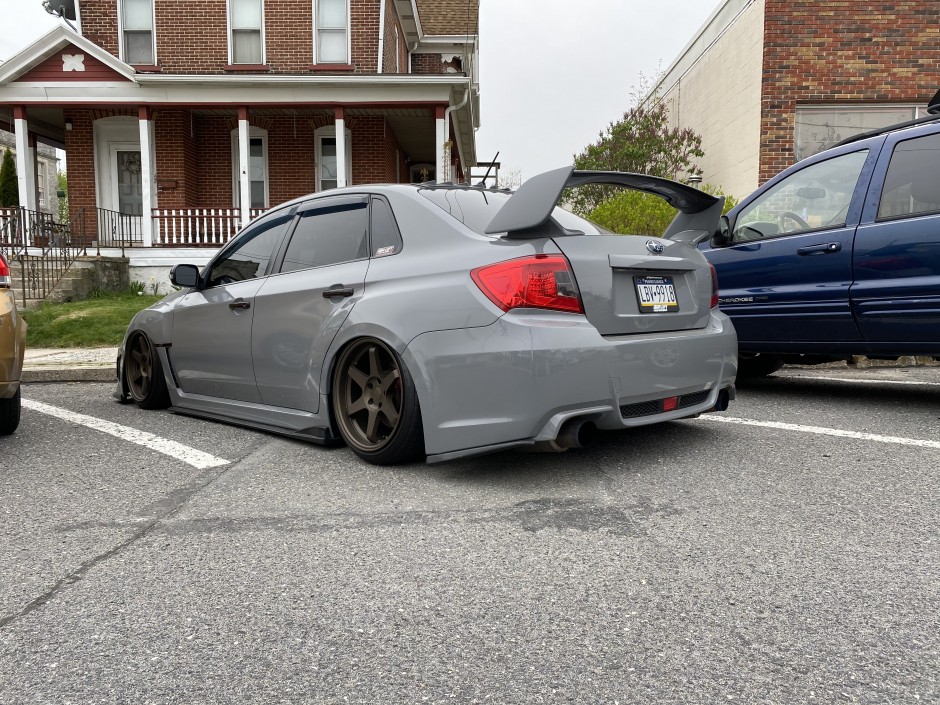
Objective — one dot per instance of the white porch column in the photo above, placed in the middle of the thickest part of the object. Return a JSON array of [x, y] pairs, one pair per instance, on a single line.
[[440, 149], [147, 174], [244, 175], [25, 160], [340, 148]]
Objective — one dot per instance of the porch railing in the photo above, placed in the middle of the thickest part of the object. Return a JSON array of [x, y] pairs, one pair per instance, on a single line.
[[197, 227], [42, 248], [116, 229]]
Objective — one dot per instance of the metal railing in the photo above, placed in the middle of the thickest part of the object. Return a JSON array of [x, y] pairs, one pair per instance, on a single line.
[[197, 227], [116, 229], [42, 248]]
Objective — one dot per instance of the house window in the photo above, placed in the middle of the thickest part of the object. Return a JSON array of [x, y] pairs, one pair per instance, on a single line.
[[41, 179], [326, 157], [332, 35], [257, 168], [247, 22], [137, 32], [818, 128]]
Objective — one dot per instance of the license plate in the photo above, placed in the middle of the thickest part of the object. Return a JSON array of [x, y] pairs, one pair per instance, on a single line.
[[656, 294]]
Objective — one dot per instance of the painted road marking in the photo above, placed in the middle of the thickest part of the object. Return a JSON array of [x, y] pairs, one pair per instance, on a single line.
[[821, 430], [188, 455]]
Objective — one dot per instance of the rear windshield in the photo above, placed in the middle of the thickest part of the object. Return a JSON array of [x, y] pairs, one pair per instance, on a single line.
[[475, 208]]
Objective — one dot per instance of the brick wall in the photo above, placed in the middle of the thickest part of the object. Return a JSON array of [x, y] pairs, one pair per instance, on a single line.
[[79, 146], [432, 64], [842, 51], [192, 36]]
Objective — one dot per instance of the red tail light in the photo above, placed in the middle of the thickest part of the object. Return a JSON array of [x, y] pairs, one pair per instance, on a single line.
[[5, 280], [714, 285], [539, 281]]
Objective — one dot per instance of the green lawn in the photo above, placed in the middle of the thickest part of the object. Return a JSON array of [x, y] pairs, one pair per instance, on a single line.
[[95, 322]]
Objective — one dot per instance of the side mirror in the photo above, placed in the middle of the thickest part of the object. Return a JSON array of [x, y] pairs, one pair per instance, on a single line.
[[723, 237], [185, 275]]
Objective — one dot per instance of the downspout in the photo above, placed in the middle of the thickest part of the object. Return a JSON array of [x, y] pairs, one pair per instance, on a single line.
[[381, 33], [450, 109]]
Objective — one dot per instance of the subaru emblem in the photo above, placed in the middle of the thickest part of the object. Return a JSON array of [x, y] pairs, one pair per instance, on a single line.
[[657, 248]]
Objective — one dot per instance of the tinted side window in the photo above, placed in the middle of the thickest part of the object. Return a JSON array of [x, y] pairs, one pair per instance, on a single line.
[[813, 198], [912, 184], [328, 235], [386, 239], [250, 257]]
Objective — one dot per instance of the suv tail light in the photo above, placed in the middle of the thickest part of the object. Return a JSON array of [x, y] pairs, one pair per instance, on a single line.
[[714, 285], [539, 281], [5, 281]]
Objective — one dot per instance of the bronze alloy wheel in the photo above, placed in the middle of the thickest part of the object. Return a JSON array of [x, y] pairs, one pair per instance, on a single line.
[[375, 405], [143, 374]]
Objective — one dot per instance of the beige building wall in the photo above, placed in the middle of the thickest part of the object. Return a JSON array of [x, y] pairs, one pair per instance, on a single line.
[[714, 88]]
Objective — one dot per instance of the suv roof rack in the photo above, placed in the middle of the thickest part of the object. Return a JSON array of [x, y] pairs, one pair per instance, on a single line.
[[933, 108]]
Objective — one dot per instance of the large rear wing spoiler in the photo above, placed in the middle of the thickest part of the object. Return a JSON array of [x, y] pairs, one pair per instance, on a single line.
[[530, 206]]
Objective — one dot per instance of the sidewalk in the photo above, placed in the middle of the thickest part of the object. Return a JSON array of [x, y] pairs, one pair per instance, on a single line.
[[69, 365]]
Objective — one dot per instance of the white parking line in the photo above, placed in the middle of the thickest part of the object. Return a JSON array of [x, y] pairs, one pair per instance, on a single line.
[[821, 430], [188, 455]]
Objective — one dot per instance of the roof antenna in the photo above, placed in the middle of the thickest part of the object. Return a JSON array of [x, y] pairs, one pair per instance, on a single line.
[[488, 169]]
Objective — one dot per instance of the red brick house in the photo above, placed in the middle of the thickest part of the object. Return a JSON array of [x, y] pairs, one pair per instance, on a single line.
[[175, 114]]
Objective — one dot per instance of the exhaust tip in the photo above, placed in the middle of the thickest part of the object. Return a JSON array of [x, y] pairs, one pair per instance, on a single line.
[[576, 434]]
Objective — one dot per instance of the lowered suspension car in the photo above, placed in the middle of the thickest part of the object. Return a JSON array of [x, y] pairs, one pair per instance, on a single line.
[[439, 321]]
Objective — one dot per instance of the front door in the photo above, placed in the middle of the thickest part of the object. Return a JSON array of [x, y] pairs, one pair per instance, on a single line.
[[787, 274], [212, 325], [127, 193]]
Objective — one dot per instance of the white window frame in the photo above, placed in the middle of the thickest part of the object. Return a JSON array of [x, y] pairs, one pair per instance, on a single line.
[[330, 131], [253, 133], [122, 49], [231, 38], [316, 29]]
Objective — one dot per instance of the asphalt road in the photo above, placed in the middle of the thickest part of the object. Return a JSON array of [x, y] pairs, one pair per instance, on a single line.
[[701, 561]]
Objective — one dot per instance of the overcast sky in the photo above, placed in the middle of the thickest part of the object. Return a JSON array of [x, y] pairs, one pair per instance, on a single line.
[[553, 73]]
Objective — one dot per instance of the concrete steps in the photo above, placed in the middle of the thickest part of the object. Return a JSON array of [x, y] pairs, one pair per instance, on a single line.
[[86, 275]]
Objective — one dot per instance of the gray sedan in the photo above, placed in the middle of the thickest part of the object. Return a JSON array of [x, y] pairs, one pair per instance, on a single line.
[[439, 321]]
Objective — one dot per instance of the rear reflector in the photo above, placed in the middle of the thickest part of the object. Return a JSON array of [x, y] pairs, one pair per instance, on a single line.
[[539, 281]]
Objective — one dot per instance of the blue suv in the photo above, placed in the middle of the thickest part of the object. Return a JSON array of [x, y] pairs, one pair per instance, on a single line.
[[839, 255]]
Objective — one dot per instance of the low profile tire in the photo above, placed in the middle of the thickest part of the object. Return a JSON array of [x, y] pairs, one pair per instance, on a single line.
[[756, 366], [10, 414], [143, 374], [375, 405]]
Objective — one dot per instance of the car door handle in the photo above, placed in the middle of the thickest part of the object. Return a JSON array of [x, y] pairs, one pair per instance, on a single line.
[[239, 304], [826, 248], [338, 290]]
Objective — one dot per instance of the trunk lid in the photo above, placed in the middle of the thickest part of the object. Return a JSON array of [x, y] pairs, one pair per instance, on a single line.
[[625, 283]]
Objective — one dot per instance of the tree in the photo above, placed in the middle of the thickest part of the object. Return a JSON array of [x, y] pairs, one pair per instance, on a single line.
[[9, 188], [641, 142], [635, 213], [62, 184]]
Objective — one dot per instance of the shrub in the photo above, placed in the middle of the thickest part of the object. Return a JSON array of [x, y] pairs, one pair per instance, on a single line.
[[635, 213]]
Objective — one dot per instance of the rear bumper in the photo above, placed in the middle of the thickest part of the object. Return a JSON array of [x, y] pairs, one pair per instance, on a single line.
[[519, 380]]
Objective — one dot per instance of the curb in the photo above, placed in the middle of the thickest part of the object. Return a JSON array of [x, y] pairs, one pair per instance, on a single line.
[[69, 374]]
